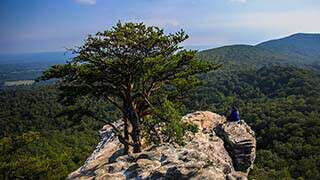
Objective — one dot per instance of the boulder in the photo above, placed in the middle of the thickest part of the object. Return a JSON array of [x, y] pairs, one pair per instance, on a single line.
[[240, 142], [205, 156]]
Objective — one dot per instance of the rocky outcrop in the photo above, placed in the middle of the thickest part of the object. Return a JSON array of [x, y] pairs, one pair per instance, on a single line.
[[240, 142], [220, 150]]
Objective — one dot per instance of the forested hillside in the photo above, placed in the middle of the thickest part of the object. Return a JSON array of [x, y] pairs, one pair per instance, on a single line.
[[277, 98], [37, 142], [242, 55], [301, 48], [281, 104]]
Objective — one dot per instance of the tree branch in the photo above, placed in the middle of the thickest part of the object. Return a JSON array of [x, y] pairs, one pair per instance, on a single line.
[[115, 130]]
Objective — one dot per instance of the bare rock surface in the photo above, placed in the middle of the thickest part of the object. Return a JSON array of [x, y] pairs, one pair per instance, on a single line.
[[240, 142], [205, 156]]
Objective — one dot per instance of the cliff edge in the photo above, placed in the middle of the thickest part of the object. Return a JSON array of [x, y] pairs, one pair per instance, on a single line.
[[219, 150]]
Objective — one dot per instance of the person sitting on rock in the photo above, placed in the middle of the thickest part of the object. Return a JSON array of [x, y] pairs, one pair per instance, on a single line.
[[234, 115]]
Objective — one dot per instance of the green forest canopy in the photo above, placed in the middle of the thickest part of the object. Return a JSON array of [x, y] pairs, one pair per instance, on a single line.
[[280, 102]]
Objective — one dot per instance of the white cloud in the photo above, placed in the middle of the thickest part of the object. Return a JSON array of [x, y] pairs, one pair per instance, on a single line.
[[285, 22], [160, 22], [163, 22], [239, 1], [86, 2], [251, 27]]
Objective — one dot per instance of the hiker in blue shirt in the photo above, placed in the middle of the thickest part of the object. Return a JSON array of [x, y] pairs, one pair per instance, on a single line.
[[235, 115]]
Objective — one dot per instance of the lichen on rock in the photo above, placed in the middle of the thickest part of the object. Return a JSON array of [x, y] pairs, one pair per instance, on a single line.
[[208, 154]]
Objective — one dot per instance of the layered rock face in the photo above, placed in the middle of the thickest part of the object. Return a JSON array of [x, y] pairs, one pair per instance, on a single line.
[[220, 150], [240, 144]]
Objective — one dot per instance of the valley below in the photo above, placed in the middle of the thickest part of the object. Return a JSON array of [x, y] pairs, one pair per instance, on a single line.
[[276, 86]]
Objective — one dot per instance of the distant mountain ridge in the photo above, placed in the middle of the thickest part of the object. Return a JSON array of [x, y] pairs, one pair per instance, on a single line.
[[297, 49], [21, 67], [301, 46], [241, 54], [27, 58]]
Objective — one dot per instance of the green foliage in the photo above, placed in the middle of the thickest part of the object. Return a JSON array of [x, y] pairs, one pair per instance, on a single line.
[[134, 67], [192, 128], [241, 55], [167, 120], [41, 139], [51, 156], [34, 142], [281, 104], [173, 129], [301, 48]]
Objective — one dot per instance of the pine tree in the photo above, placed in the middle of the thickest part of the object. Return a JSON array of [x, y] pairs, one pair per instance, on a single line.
[[134, 67]]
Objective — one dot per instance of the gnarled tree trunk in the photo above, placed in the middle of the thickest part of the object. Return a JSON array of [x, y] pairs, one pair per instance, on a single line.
[[134, 120]]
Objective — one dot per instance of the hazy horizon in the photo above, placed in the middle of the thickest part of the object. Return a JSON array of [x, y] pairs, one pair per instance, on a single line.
[[38, 26]]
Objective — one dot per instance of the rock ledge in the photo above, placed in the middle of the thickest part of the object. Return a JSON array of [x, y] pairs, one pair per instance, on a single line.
[[220, 150]]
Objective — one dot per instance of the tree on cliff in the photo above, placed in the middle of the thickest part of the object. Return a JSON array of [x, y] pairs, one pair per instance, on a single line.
[[136, 68]]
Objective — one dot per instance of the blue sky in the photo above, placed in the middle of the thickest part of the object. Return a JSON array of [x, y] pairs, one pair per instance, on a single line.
[[53, 25]]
